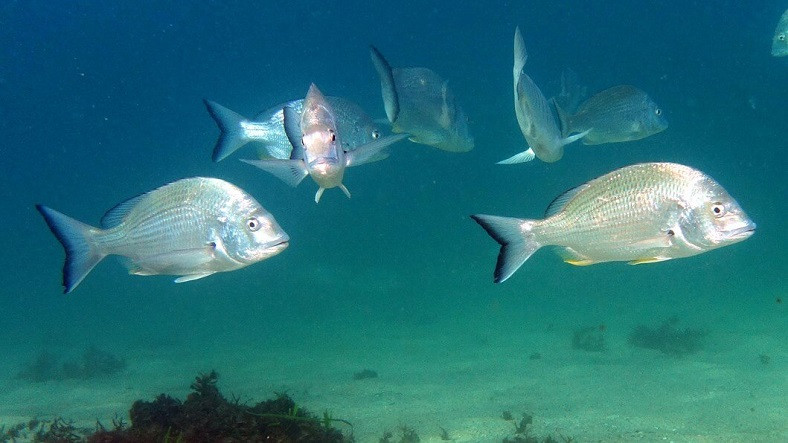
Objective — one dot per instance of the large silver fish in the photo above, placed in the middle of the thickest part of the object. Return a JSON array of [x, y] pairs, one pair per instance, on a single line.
[[780, 39], [419, 102], [534, 115], [317, 147], [618, 114], [193, 228], [642, 213], [267, 128]]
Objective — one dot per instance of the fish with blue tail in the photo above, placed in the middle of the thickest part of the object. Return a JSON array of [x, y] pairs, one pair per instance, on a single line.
[[267, 128], [418, 102], [618, 114], [642, 213], [191, 228], [534, 115], [317, 147]]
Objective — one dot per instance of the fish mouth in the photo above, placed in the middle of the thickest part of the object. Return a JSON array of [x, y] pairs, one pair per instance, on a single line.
[[742, 232]]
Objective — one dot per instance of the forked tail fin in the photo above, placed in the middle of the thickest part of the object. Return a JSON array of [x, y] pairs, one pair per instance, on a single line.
[[82, 254], [515, 235], [230, 123]]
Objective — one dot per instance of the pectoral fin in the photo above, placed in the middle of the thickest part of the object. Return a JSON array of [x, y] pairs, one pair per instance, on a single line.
[[372, 151], [190, 277], [291, 172], [643, 260], [522, 157]]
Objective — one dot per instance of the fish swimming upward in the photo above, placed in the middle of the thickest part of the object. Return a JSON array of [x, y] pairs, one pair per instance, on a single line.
[[534, 115], [419, 102], [317, 147], [267, 128], [642, 213], [780, 39], [618, 114], [193, 228]]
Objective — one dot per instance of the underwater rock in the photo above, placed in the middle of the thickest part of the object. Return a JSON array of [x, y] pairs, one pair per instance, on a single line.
[[94, 363], [365, 374], [589, 338]]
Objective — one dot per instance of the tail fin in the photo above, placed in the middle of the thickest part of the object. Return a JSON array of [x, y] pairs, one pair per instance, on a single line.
[[516, 239], [82, 255], [387, 86], [230, 123], [520, 54]]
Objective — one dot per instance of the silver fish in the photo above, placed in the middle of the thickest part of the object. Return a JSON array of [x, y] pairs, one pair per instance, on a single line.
[[534, 115], [780, 39], [419, 102], [572, 92], [193, 228], [317, 147], [642, 213], [618, 114], [267, 128]]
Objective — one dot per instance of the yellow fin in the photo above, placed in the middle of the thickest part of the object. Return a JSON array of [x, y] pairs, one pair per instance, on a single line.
[[580, 262], [640, 261]]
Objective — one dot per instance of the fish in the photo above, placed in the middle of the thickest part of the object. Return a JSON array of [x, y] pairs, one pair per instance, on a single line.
[[317, 148], [618, 114], [192, 228], [534, 115], [642, 213], [267, 128], [780, 39], [572, 92], [420, 103]]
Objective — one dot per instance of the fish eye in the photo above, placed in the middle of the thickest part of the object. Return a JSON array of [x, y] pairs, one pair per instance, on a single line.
[[718, 209], [781, 37], [333, 135], [375, 135], [658, 111], [253, 224]]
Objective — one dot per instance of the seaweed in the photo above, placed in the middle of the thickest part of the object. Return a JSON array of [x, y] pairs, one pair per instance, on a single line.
[[522, 432], [206, 415], [668, 338], [589, 338], [365, 374], [93, 364]]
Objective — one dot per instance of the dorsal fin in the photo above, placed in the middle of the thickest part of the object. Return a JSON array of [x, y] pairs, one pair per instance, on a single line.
[[115, 216], [559, 203]]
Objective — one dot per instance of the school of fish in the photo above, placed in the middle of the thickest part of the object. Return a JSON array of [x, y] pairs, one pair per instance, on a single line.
[[642, 213]]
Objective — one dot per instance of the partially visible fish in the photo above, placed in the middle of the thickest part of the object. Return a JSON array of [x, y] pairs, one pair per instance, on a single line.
[[317, 148], [572, 92], [780, 39], [267, 128], [193, 228], [642, 213], [618, 114], [419, 102], [534, 115]]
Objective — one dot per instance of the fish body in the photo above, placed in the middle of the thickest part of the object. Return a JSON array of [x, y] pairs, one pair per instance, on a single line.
[[267, 128], [618, 114], [420, 103], [317, 148], [780, 39], [642, 213], [192, 228], [534, 115]]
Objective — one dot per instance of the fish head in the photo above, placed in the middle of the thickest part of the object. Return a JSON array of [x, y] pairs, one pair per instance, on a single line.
[[654, 120], [253, 235], [713, 219]]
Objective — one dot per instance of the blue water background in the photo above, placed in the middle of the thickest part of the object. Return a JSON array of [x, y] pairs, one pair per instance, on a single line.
[[100, 101]]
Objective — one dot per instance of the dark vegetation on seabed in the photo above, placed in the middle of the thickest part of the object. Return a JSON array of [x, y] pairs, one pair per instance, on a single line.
[[668, 338], [589, 338], [94, 363], [205, 416]]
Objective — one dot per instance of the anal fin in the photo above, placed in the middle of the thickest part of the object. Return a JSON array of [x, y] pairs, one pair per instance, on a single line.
[[190, 277], [580, 261], [643, 260]]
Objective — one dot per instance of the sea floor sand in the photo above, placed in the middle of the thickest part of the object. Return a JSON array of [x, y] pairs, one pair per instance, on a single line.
[[460, 377]]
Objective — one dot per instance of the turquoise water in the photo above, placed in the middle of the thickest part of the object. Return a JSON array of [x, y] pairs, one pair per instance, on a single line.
[[99, 103]]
